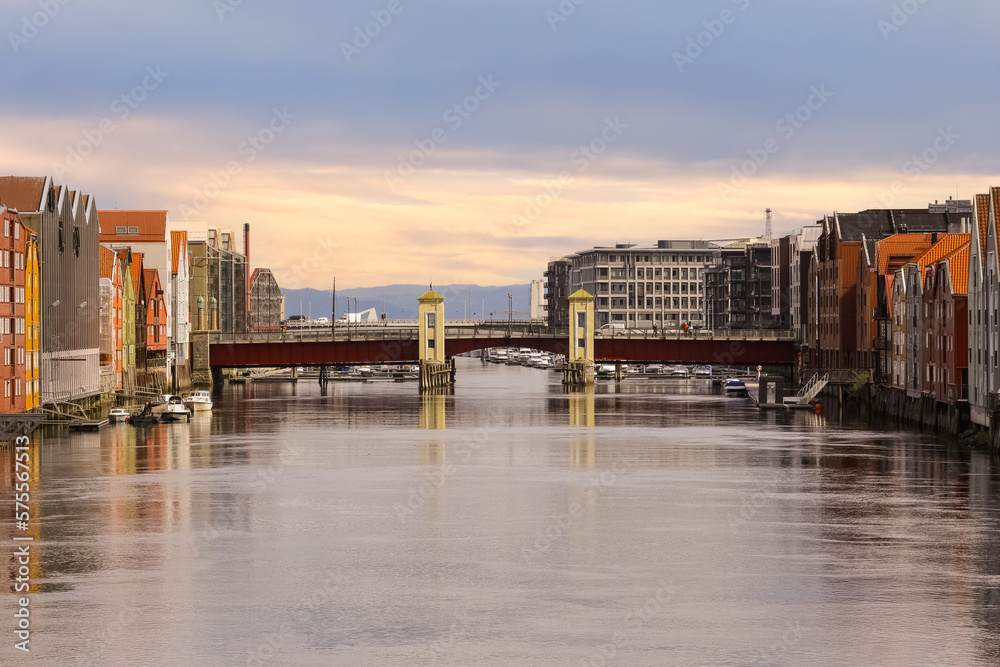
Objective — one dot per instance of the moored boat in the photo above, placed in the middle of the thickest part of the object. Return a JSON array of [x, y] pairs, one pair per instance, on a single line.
[[175, 410], [199, 401], [703, 371], [118, 415], [734, 386]]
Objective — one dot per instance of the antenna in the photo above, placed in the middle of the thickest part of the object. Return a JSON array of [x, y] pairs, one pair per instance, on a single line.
[[767, 225]]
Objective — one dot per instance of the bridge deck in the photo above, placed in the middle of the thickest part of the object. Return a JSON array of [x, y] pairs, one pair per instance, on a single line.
[[384, 345]]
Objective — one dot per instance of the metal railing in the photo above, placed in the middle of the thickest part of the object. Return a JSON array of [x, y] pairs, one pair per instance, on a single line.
[[957, 393]]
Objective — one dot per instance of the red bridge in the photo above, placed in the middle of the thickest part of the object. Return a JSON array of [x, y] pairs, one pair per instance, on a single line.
[[737, 348]]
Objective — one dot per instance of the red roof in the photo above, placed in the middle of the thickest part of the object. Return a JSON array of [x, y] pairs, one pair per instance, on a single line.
[[106, 258], [23, 193], [147, 226]]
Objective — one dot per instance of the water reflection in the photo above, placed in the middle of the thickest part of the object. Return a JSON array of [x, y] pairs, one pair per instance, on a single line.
[[875, 545]]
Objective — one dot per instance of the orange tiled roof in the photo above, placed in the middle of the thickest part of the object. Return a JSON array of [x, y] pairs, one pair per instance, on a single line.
[[946, 245], [22, 192], [958, 267], [152, 226], [149, 277], [982, 222], [178, 246], [898, 249], [106, 258], [136, 271]]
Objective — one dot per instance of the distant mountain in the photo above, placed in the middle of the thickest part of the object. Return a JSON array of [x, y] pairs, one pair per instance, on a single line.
[[401, 300]]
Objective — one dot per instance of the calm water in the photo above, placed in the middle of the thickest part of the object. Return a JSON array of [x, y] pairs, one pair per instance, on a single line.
[[508, 524]]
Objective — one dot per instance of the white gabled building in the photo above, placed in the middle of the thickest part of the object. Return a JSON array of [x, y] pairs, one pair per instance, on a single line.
[[979, 357]]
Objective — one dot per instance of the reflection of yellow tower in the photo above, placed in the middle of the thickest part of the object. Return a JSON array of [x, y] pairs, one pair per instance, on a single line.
[[580, 360], [581, 407], [432, 412], [582, 450]]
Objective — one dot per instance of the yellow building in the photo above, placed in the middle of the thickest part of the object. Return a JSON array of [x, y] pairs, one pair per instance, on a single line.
[[32, 322]]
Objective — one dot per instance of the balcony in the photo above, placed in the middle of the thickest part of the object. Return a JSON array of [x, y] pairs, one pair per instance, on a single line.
[[958, 393]]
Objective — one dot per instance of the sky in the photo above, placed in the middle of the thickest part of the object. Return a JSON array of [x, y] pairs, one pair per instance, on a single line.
[[469, 141]]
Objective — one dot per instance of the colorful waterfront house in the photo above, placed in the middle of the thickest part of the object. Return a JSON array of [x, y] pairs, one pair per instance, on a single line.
[[128, 320], [897, 314], [32, 321], [156, 319], [916, 341], [139, 290], [112, 288], [983, 275], [67, 227], [946, 327], [876, 267], [12, 316]]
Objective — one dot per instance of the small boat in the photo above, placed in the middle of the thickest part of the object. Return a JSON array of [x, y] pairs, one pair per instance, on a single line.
[[680, 372], [734, 386], [146, 416], [118, 415], [703, 371], [175, 410], [199, 401]]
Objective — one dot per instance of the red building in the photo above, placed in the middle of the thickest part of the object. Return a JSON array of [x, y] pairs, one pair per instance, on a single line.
[[156, 317], [946, 327], [12, 310]]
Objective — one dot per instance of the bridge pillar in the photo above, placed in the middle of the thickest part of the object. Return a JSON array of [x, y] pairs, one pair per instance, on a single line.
[[201, 364], [580, 360], [434, 371]]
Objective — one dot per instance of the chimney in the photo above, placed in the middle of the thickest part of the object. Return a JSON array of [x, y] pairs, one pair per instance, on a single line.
[[246, 254]]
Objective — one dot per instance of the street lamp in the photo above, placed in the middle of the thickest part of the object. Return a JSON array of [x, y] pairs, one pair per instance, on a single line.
[[510, 312]]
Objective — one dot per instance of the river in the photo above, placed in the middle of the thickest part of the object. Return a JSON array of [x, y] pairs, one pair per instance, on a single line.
[[507, 524]]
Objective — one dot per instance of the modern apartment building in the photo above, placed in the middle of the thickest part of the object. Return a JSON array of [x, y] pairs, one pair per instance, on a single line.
[[643, 287], [557, 291]]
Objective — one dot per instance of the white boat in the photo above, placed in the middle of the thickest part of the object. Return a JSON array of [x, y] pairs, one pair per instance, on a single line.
[[118, 415], [680, 372], [498, 356], [703, 371], [175, 410], [199, 401]]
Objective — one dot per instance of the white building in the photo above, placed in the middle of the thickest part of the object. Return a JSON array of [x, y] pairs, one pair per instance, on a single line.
[[539, 310]]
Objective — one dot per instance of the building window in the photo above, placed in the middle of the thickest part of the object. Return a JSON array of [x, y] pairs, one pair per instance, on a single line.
[[76, 240]]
